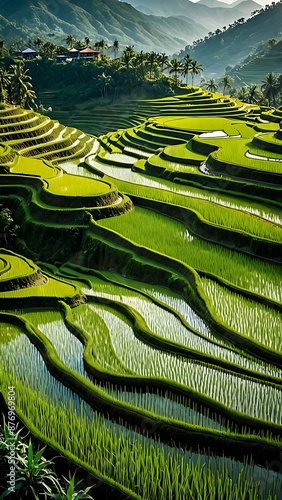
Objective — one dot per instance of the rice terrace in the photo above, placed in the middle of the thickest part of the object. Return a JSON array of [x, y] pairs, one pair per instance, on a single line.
[[141, 299]]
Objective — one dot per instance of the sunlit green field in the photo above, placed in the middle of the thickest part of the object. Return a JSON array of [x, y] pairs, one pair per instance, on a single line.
[[140, 294]]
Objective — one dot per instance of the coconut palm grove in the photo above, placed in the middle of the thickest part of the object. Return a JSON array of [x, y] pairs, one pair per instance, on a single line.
[[140, 282]]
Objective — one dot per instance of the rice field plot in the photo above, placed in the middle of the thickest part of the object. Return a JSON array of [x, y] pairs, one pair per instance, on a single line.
[[168, 324], [48, 287], [237, 154], [121, 457], [262, 324], [168, 405], [244, 395], [69, 185], [21, 362], [34, 167], [15, 266], [70, 351], [151, 230], [210, 125], [68, 347], [136, 183], [214, 388]]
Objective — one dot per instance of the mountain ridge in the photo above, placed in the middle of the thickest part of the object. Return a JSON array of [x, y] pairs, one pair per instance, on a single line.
[[228, 48], [212, 17], [108, 19]]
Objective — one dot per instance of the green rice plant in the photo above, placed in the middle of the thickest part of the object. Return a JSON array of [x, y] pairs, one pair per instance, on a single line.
[[235, 154], [126, 457], [70, 185], [255, 321], [106, 282], [40, 379], [54, 287], [161, 321], [34, 166], [163, 404], [101, 348], [151, 230], [167, 325], [180, 305], [189, 196], [240, 393], [68, 347], [18, 266], [18, 355]]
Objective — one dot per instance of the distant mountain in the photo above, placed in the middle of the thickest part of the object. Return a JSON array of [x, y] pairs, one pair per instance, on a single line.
[[211, 14], [97, 19], [231, 46], [213, 3]]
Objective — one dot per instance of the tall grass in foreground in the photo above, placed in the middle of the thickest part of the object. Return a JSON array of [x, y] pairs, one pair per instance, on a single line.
[[168, 236], [257, 322], [150, 469]]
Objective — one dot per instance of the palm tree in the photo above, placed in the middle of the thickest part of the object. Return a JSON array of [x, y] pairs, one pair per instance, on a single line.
[[29, 97], [70, 41], [5, 83], [105, 81], [22, 91], [163, 60], [226, 82], [186, 66], [116, 47], [102, 45], [176, 67], [48, 49], [252, 93], [243, 94], [38, 42], [87, 40], [196, 69], [211, 85], [126, 59], [141, 58], [130, 50], [152, 59], [270, 87]]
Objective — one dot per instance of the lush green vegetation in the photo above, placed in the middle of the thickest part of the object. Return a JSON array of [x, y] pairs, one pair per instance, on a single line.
[[140, 287]]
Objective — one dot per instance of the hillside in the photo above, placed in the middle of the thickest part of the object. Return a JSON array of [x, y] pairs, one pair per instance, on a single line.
[[253, 70], [109, 19], [232, 46], [210, 13], [140, 296]]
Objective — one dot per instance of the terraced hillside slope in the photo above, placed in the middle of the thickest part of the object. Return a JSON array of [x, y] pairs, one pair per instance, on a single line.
[[141, 303], [253, 70]]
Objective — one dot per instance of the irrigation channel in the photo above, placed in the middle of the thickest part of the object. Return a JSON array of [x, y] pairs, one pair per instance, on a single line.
[[141, 297]]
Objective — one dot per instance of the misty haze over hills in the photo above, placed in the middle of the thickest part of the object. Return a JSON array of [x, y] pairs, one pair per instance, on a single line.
[[169, 27], [232, 46], [217, 35]]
